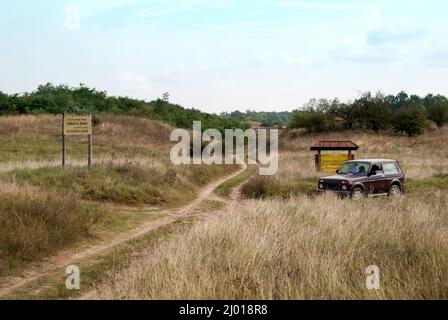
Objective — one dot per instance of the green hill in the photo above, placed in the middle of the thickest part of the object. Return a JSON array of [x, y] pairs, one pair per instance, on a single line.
[[51, 99]]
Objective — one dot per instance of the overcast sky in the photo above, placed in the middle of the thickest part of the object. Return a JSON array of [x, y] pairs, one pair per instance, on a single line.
[[221, 55]]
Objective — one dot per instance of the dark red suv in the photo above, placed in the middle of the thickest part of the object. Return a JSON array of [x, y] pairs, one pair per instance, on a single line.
[[371, 177]]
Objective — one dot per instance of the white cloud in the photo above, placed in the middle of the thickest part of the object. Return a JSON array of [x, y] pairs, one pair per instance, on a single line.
[[384, 35]]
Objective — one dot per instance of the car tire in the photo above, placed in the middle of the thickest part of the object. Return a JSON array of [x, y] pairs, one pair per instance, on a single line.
[[394, 191], [357, 193]]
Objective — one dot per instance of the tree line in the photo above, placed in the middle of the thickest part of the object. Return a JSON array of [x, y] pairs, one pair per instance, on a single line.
[[57, 99], [406, 114], [266, 119]]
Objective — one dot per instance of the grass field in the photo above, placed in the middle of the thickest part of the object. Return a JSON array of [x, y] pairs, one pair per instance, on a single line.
[[300, 248], [280, 242], [294, 245], [45, 207], [36, 222]]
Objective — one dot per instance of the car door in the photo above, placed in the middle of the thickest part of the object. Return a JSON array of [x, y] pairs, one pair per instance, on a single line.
[[376, 182], [391, 173]]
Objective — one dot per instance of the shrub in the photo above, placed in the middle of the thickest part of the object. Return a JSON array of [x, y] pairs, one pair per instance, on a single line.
[[267, 186], [411, 120], [257, 187], [56, 99], [312, 121], [438, 113]]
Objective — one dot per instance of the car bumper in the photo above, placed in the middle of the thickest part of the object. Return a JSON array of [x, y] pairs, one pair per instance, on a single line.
[[343, 194]]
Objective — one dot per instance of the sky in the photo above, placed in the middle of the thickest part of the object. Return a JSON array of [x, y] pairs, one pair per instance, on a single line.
[[223, 55]]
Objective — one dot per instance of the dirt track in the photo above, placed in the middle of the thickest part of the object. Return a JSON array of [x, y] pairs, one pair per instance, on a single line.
[[60, 261]]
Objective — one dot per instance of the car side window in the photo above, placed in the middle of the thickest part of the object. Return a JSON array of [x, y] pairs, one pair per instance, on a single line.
[[378, 168], [363, 168], [390, 168]]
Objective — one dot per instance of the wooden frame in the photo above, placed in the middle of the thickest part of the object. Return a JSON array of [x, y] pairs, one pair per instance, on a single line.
[[348, 146]]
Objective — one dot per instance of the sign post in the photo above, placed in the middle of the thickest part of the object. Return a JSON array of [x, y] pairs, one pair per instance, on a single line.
[[89, 160], [63, 140], [74, 125]]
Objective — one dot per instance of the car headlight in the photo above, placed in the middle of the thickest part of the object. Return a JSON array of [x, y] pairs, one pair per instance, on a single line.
[[344, 187], [321, 185]]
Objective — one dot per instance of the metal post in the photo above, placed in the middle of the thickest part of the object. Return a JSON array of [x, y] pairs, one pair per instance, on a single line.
[[63, 141]]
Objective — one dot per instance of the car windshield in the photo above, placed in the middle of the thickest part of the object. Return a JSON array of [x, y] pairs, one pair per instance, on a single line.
[[354, 168]]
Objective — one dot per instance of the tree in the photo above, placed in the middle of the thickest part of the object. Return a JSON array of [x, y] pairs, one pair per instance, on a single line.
[[314, 116], [7, 105], [237, 114], [321, 105], [410, 120], [373, 111], [437, 109], [438, 113], [346, 112], [312, 121], [399, 101]]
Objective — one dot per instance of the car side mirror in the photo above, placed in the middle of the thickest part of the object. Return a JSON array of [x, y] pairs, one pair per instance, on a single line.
[[338, 171], [372, 173]]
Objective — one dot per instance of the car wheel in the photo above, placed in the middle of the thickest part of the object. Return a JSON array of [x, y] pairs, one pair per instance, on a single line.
[[395, 191], [357, 193]]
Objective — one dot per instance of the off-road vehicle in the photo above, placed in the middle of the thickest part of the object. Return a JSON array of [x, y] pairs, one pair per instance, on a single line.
[[369, 177]]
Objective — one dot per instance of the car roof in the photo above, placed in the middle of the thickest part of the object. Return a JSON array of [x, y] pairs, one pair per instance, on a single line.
[[372, 160]]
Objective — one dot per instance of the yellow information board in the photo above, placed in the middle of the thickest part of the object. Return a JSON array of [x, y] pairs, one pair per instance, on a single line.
[[77, 125], [332, 162]]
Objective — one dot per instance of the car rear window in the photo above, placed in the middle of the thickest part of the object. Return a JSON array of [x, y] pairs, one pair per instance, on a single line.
[[390, 168]]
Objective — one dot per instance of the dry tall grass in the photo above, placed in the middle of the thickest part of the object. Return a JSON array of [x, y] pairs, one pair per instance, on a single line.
[[34, 223], [131, 160], [131, 183], [38, 138], [121, 129], [42, 205], [311, 247], [300, 249]]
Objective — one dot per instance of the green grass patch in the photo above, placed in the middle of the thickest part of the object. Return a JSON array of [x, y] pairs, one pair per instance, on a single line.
[[439, 182], [225, 189], [208, 205], [271, 186], [129, 184]]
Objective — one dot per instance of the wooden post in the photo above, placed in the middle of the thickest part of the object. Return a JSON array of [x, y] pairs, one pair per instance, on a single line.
[[351, 156], [63, 140], [90, 151], [318, 161]]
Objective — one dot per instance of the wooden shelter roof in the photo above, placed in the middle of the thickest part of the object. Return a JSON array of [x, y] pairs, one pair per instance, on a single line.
[[334, 145]]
